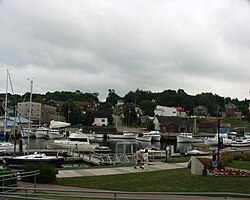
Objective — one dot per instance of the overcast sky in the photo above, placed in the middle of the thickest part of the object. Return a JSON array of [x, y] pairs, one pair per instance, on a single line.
[[92, 46]]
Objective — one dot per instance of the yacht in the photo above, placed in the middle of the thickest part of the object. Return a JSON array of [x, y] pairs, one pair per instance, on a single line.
[[145, 137], [124, 135], [76, 140], [55, 134], [187, 138], [26, 132], [241, 142], [214, 140], [41, 132], [156, 135]]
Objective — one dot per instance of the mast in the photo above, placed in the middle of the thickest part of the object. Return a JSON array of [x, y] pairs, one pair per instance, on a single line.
[[5, 106], [31, 88]]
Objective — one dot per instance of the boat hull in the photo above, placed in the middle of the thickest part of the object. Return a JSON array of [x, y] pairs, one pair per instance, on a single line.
[[16, 161], [181, 139]]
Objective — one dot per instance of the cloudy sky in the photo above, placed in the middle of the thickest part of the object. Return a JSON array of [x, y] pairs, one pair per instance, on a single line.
[[94, 45]]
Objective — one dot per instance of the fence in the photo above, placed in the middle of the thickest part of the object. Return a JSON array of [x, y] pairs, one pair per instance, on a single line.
[[45, 193]]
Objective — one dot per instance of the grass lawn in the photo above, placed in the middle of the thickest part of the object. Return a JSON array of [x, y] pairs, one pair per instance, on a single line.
[[240, 164], [180, 180]]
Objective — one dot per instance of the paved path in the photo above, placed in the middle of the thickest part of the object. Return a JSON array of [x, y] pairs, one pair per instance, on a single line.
[[119, 170]]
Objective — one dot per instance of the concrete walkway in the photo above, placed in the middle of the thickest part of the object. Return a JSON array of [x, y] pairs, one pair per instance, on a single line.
[[154, 166]]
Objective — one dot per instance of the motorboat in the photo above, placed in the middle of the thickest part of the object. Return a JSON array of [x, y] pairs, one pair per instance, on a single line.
[[54, 129], [35, 158], [145, 137], [124, 135], [187, 138], [6, 146], [55, 134], [41, 132], [241, 142], [247, 135], [196, 152], [156, 135], [76, 140], [26, 132], [225, 140], [102, 149]]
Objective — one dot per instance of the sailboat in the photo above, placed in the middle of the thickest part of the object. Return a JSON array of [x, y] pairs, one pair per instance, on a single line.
[[6, 145], [36, 158]]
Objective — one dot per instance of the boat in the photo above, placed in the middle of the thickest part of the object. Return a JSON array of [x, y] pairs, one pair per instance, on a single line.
[[226, 141], [54, 129], [187, 138], [241, 142], [247, 135], [124, 135], [41, 132], [55, 134], [196, 152], [35, 158], [145, 137], [25, 132], [102, 149], [3, 144], [156, 135], [76, 140]]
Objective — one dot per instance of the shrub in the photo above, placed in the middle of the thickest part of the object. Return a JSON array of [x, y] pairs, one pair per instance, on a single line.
[[47, 173]]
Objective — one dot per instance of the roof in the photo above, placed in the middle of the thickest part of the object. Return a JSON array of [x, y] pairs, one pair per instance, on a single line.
[[166, 120], [100, 114]]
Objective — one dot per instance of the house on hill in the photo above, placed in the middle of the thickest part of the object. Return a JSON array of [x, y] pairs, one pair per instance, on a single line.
[[100, 118], [231, 112], [171, 124]]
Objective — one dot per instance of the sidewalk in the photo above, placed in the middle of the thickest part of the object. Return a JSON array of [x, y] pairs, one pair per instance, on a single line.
[[154, 166]]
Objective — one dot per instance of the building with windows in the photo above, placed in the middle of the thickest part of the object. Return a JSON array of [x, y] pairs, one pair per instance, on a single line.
[[200, 111]]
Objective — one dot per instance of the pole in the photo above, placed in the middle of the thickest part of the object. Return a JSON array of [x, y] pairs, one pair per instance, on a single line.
[[5, 105], [218, 150], [31, 87]]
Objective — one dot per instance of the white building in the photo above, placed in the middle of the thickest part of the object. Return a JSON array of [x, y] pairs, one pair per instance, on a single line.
[[169, 111], [100, 119]]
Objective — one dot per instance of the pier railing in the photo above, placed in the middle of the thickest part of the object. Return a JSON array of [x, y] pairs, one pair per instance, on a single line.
[[45, 193]]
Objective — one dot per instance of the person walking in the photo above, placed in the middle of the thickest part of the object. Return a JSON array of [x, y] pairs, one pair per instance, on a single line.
[[138, 158], [145, 159]]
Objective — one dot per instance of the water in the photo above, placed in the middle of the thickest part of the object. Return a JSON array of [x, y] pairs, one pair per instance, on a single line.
[[116, 146]]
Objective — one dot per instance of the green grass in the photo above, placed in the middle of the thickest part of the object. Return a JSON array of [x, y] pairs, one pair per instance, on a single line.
[[240, 164], [180, 180]]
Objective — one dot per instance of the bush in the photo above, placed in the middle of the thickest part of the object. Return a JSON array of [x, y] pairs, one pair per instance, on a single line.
[[12, 178], [47, 173]]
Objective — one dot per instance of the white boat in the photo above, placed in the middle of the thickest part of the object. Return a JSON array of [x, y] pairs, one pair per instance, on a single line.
[[26, 132], [41, 132], [242, 142], [156, 135], [247, 135], [55, 134], [124, 135], [196, 152], [187, 138], [6, 146], [54, 129], [35, 158], [78, 141], [145, 137], [102, 149], [214, 140]]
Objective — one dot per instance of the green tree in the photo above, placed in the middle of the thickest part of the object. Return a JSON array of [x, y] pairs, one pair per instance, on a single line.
[[150, 125], [112, 97], [88, 118], [147, 107], [72, 112]]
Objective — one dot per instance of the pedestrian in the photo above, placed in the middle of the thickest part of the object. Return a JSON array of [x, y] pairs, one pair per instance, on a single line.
[[215, 162], [145, 159], [138, 158]]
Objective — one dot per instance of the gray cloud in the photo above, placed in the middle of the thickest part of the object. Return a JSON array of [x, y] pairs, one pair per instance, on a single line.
[[151, 45]]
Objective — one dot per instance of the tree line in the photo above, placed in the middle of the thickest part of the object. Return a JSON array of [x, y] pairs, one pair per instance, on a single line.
[[145, 100]]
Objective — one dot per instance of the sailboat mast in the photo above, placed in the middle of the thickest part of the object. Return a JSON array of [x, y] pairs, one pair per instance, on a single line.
[[5, 106], [31, 88]]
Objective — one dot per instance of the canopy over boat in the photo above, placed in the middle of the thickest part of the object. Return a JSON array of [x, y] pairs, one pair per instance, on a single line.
[[58, 124]]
